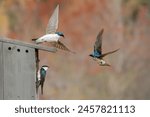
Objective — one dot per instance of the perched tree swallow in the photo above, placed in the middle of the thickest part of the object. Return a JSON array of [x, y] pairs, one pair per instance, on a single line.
[[51, 35], [41, 78], [97, 53]]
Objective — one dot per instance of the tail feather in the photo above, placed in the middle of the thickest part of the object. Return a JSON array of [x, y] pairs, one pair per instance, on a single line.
[[34, 39]]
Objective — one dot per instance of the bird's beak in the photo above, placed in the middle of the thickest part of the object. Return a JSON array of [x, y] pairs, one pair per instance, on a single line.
[[63, 36], [91, 55]]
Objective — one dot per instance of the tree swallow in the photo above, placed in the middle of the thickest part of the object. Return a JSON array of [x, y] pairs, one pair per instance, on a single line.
[[41, 78], [97, 53], [51, 35]]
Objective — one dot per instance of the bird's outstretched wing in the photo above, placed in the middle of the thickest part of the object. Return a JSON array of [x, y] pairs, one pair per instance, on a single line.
[[98, 42], [103, 55], [60, 45], [53, 22]]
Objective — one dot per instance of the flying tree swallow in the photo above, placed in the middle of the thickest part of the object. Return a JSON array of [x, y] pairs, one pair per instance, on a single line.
[[51, 35], [97, 53], [41, 78]]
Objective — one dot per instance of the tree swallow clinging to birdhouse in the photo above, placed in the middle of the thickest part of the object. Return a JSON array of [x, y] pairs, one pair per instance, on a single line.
[[97, 53], [51, 35], [41, 78]]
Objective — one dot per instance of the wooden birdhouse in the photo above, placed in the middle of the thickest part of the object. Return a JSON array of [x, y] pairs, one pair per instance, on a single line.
[[18, 69]]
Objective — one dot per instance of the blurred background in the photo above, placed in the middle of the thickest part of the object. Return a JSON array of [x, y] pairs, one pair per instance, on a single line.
[[126, 26]]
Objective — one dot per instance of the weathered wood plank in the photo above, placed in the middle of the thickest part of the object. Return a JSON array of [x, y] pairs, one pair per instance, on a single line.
[[19, 71], [1, 72], [17, 42]]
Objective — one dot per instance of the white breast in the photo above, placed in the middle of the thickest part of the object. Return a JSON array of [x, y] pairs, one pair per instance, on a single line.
[[39, 75], [100, 61], [48, 38]]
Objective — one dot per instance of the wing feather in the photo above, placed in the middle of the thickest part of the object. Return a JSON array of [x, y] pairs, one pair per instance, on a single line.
[[60, 45], [103, 55], [98, 42], [53, 22]]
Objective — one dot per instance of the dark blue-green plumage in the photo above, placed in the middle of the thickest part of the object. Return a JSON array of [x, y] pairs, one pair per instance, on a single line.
[[59, 33], [97, 53], [42, 76]]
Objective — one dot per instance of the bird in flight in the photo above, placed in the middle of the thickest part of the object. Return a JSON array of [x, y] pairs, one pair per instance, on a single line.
[[97, 54], [51, 35], [41, 78]]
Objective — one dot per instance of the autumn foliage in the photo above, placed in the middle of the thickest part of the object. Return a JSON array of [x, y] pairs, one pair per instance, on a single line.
[[126, 26]]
